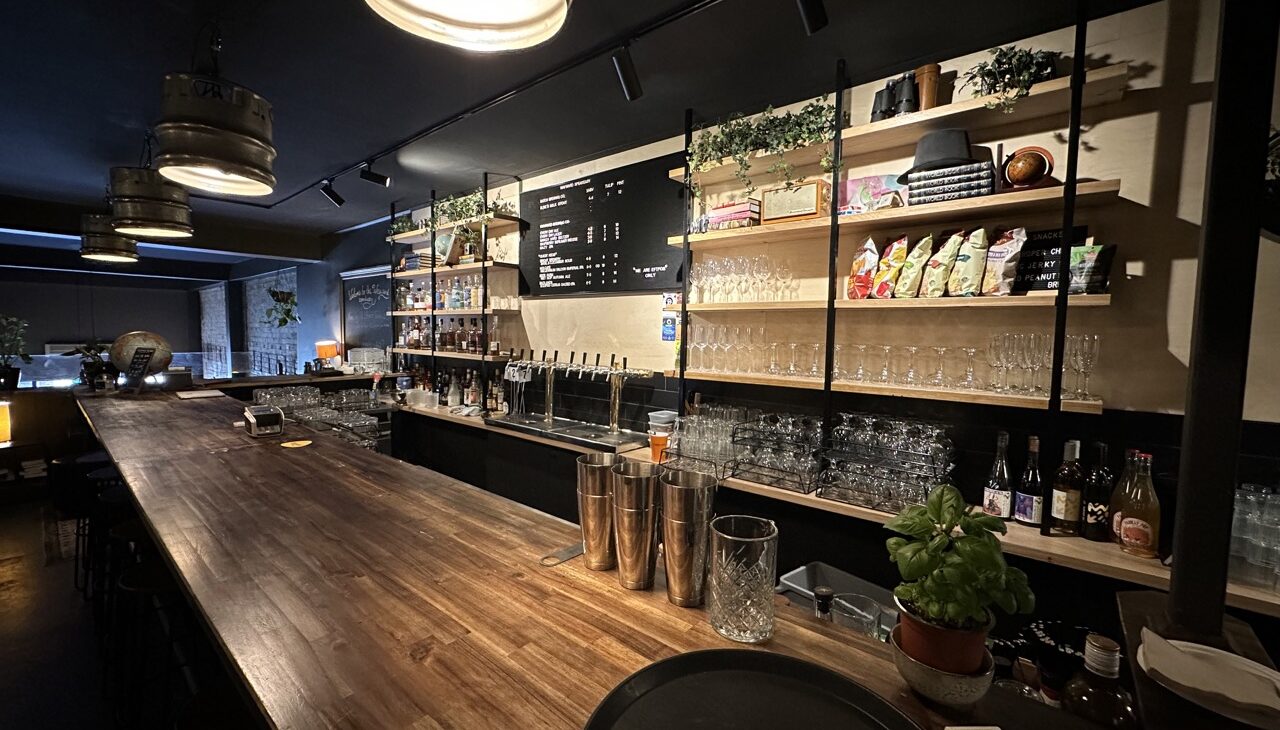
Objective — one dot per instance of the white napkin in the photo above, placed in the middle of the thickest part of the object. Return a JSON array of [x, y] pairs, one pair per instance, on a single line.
[[1214, 681]]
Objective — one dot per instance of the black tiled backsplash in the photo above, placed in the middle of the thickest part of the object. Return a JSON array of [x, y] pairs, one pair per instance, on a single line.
[[584, 400]]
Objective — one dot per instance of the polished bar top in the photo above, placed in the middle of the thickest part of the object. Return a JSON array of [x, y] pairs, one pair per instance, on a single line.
[[350, 589]]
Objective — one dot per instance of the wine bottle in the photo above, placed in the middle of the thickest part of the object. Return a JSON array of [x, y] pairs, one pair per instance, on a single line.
[[1068, 489], [1097, 498], [1029, 501], [1094, 693], [997, 498], [1140, 525], [1122, 488]]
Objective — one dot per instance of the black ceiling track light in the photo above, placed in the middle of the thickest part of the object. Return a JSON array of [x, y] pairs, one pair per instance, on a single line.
[[331, 194], [367, 174], [627, 75], [813, 14]]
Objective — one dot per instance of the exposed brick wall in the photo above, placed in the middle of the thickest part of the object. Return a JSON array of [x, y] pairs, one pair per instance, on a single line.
[[267, 343], [215, 336]]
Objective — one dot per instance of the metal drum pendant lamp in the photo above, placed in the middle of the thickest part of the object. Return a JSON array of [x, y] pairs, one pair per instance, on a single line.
[[490, 25], [215, 136], [146, 205], [99, 241]]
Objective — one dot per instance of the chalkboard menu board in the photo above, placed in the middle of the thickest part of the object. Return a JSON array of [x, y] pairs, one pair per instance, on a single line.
[[1038, 264], [605, 233], [365, 303]]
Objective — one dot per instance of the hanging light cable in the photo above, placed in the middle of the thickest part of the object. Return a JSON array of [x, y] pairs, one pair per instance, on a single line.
[[215, 135], [492, 25]]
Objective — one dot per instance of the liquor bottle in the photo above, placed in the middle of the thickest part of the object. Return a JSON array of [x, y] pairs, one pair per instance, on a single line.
[[491, 397], [450, 336], [438, 293], [455, 391], [455, 294], [1028, 503], [495, 343], [1097, 498], [467, 301], [477, 292], [501, 396], [1122, 488], [1140, 507], [1094, 693], [997, 498], [474, 392], [476, 347], [1068, 489]]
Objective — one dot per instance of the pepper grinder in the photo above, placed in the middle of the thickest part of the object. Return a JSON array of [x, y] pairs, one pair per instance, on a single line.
[[822, 598]]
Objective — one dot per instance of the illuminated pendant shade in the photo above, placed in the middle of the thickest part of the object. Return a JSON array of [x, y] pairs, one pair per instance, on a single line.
[[145, 205], [490, 25], [215, 136], [100, 242]]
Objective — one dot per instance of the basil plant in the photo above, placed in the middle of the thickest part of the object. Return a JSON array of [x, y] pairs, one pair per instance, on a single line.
[[951, 564]]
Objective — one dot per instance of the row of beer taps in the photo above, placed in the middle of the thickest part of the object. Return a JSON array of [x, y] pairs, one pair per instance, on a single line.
[[615, 375]]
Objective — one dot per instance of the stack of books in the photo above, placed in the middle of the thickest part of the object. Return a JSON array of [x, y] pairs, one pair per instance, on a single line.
[[34, 468], [951, 183], [734, 215], [412, 262]]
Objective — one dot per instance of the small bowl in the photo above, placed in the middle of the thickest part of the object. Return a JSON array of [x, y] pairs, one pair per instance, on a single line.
[[959, 691]]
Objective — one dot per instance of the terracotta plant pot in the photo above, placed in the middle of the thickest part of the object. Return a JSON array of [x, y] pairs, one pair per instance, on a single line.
[[949, 650]]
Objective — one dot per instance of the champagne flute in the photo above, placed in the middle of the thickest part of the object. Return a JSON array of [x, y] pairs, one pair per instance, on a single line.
[[1088, 349], [968, 382], [939, 379]]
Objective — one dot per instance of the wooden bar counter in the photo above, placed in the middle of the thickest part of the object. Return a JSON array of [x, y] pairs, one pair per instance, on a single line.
[[352, 590]]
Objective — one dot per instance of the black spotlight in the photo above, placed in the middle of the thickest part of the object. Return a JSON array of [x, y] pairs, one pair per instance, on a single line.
[[627, 75], [367, 173], [813, 14], [332, 194]]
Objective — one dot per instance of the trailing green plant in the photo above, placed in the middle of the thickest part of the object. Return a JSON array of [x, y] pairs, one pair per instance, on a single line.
[[1010, 74], [13, 345], [284, 308], [951, 564], [464, 207], [403, 224], [739, 138]]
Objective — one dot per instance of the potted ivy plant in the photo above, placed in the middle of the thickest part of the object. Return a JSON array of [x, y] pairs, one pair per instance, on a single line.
[[953, 573], [284, 308], [13, 335], [1010, 74]]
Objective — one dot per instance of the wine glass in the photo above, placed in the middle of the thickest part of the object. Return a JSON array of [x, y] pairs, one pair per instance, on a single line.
[[774, 368], [793, 367], [910, 377], [886, 370], [784, 276], [939, 379], [995, 360], [1071, 359], [815, 360], [838, 371], [860, 374], [761, 270], [1088, 350], [968, 382], [697, 279]]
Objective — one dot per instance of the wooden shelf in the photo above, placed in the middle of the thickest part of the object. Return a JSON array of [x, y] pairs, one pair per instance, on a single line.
[[1013, 302], [751, 306], [1096, 192], [450, 355], [455, 269], [782, 381], [449, 312], [981, 397], [499, 223], [1102, 86], [1076, 553]]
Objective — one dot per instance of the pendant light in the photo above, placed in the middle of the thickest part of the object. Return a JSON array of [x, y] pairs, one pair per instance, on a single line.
[[145, 205], [100, 242], [491, 25], [215, 135]]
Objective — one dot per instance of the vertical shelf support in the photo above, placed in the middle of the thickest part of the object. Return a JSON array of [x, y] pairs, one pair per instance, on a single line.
[[683, 352], [828, 406]]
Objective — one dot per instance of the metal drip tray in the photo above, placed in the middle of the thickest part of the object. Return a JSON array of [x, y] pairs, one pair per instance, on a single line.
[[580, 433]]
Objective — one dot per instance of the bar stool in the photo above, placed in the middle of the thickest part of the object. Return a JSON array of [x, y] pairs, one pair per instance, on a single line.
[[147, 619], [73, 502], [111, 506], [128, 543]]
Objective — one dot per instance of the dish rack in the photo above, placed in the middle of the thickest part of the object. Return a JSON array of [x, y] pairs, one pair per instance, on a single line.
[[774, 458]]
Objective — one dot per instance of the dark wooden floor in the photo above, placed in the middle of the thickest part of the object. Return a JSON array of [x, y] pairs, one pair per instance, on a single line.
[[49, 669]]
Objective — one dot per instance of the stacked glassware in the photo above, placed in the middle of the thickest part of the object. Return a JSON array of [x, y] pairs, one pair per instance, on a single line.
[[288, 399], [779, 450], [885, 463], [1255, 537]]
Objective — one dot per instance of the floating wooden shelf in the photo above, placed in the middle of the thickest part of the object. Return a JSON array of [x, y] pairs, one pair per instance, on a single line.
[[449, 312], [455, 269], [953, 395], [1097, 192], [1013, 302], [781, 381], [450, 355], [1102, 86], [499, 223]]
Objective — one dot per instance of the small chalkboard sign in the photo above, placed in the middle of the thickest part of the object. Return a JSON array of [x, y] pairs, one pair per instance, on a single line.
[[136, 375], [1038, 264]]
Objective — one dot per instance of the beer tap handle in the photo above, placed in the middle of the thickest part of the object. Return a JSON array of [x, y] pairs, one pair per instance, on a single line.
[[624, 364], [584, 366]]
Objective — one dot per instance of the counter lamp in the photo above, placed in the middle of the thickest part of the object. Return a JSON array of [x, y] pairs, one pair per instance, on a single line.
[[6, 426], [328, 350]]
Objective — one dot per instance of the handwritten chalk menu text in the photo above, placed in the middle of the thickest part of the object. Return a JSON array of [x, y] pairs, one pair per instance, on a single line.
[[604, 233]]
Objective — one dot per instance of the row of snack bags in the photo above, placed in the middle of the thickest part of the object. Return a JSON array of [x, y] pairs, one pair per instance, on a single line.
[[965, 266]]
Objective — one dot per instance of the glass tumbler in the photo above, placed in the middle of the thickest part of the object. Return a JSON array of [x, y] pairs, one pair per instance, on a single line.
[[744, 555]]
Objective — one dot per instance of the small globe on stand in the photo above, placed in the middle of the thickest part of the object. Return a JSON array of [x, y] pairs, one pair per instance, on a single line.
[[123, 348]]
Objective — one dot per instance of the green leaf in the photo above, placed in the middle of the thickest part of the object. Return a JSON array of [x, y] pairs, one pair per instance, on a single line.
[[945, 505], [913, 522], [894, 544], [938, 544], [914, 561], [991, 523]]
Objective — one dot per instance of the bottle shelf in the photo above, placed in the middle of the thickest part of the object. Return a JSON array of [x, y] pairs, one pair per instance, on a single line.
[[456, 269], [450, 312], [1092, 193], [499, 223], [450, 355], [1101, 86], [1031, 301]]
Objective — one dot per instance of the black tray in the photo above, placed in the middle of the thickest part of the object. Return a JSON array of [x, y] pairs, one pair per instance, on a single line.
[[742, 689]]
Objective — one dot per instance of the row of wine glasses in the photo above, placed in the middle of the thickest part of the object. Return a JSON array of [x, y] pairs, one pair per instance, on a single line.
[[1020, 357], [741, 279], [739, 349]]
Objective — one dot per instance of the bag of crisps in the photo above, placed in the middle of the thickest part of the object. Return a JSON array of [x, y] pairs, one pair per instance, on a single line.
[[862, 273], [890, 266], [971, 262], [913, 269], [1002, 262], [938, 269]]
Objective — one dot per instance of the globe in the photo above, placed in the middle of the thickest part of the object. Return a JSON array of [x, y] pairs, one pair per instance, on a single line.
[[1028, 166], [122, 350]]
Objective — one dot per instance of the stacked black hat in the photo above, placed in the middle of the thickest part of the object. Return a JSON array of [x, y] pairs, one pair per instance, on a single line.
[[946, 169]]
